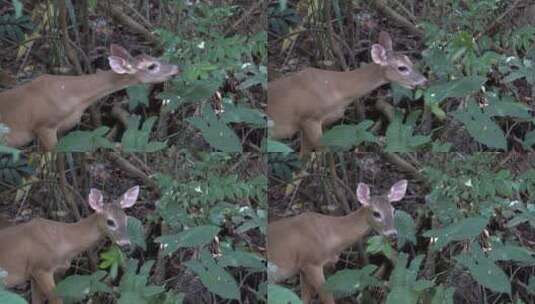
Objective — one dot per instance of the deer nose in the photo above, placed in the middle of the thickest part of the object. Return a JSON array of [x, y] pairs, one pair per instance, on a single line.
[[391, 234], [177, 68], [124, 244]]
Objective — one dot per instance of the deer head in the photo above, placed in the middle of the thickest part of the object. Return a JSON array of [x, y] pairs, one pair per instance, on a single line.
[[397, 68], [145, 68], [113, 220], [380, 213]]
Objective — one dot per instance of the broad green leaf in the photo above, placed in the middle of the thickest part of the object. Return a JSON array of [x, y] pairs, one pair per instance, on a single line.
[[136, 139], [281, 295], [11, 298], [273, 146], [401, 295], [240, 258], [137, 94], [75, 288], [531, 285], [443, 295], [506, 106], [467, 228], [193, 237], [529, 140], [456, 88], [215, 131], [481, 127], [214, 277], [348, 281], [400, 138], [405, 227], [512, 253], [135, 232], [344, 137], [84, 141], [241, 114], [485, 272]]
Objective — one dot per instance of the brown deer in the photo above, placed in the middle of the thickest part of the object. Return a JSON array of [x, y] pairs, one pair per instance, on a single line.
[[53, 104], [313, 98], [303, 244], [36, 250]]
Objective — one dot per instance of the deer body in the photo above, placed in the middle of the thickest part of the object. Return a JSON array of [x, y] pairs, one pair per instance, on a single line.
[[36, 250], [304, 244], [53, 104], [313, 98]]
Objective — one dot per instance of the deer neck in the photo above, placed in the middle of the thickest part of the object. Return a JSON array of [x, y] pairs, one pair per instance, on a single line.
[[91, 88], [361, 81], [82, 235], [350, 228]]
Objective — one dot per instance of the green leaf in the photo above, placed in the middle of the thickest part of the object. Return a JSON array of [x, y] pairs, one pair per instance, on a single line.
[[344, 137], [506, 106], [137, 94], [273, 146], [405, 227], [215, 131], [512, 253], [11, 298], [481, 127], [75, 288], [193, 237], [529, 140], [400, 138], [281, 295], [456, 88], [214, 277], [467, 228], [401, 295], [485, 272], [84, 141], [443, 295], [241, 114], [135, 232], [136, 139], [240, 258], [348, 281]]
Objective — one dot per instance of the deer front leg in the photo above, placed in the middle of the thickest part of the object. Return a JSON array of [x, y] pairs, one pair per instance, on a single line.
[[48, 137], [37, 296], [45, 282], [311, 136], [306, 290], [314, 276]]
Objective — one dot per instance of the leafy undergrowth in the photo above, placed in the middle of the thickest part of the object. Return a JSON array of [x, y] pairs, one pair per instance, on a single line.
[[212, 105], [466, 227], [479, 57], [198, 227]]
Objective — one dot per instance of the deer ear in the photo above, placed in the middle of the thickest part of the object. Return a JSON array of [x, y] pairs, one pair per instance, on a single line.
[[363, 194], [96, 201], [379, 55], [119, 51], [120, 66], [130, 197], [385, 40], [397, 192]]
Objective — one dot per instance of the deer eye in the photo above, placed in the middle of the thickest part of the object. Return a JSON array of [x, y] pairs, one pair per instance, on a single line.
[[403, 69], [377, 214], [110, 223], [152, 67]]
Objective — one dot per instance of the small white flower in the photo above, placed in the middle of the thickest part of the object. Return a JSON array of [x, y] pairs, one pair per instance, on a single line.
[[468, 183], [509, 59], [166, 101], [245, 65], [201, 45], [198, 189]]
